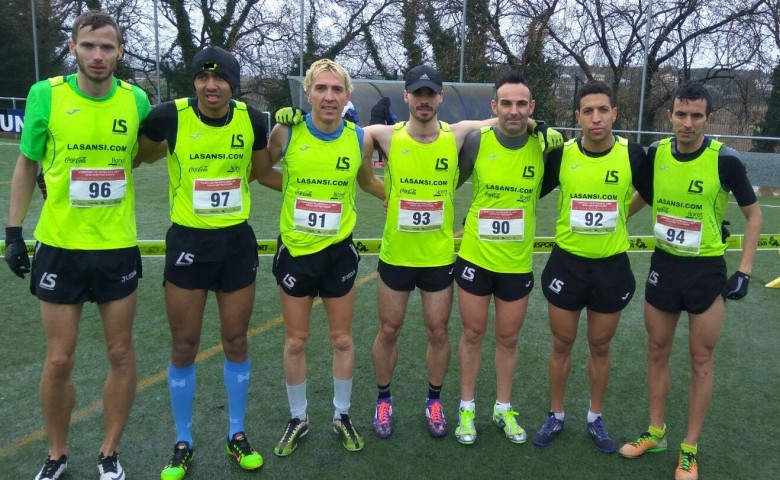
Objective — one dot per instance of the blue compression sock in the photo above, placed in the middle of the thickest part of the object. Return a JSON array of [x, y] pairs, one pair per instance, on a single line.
[[237, 386], [181, 387]]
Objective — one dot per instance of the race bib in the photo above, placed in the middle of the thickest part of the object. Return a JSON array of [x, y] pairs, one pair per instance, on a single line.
[[679, 234], [501, 225], [97, 187], [420, 216], [317, 217], [593, 216], [216, 197]]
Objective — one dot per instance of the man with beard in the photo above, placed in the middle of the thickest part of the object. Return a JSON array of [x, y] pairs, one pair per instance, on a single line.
[[87, 248]]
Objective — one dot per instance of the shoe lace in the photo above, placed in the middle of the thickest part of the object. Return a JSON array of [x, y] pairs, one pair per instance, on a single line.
[[598, 427], [291, 426], [240, 445], [549, 426], [179, 458], [510, 418], [687, 459], [347, 428], [108, 464], [642, 439], [435, 412], [383, 412], [467, 418], [50, 466]]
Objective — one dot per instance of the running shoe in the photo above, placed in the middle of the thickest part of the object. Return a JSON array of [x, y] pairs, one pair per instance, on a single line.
[[53, 469], [434, 418], [349, 437], [180, 462], [293, 432], [545, 436], [466, 432], [598, 432], [687, 466], [383, 418], [109, 468], [507, 421], [247, 457], [646, 442]]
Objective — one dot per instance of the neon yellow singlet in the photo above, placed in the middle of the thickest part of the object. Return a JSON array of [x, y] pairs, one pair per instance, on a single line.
[[689, 202], [208, 170], [319, 176], [501, 222], [88, 160], [593, 201], [420, 182]]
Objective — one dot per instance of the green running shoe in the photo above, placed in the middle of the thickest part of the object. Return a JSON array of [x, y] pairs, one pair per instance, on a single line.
[[466, 432], [247, 457], [507, 421], [349, 437], [180, 462], [294, 431]]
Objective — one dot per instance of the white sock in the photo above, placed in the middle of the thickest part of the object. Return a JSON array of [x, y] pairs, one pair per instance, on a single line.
[[559, 415], [467, 405], [296, 398], [503, 407], [592, 416], [342, 397]]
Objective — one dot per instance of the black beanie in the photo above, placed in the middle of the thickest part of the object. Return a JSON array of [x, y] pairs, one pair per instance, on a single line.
[[219, 61]]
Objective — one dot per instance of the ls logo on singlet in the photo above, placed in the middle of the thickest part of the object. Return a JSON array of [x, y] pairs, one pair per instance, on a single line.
[[611, 177], [696, 186], [342, 163], [237, 141], [528, 171], [120, 126], [442, 164]]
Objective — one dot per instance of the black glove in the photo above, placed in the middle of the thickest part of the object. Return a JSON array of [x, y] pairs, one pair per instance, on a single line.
[[16, 251], [289, 116], [41, 184], [549, 138], [724, 232], [736, 286]]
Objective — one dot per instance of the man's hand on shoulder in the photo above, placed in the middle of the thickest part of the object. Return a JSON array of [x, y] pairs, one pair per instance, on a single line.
[[549, 139], [289, 116]]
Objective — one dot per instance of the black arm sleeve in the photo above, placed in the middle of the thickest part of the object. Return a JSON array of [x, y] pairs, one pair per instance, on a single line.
[[552, 170], [733, 177], [162, 124], [643, 178], [639, 171], [259, 127], [468, 156]]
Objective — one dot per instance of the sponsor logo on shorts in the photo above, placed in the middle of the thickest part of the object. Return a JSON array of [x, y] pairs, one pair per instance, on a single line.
[[129, 276], [348, 276]]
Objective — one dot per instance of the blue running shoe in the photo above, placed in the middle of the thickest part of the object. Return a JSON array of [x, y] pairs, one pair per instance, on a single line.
[[598, 432], [545, 436]]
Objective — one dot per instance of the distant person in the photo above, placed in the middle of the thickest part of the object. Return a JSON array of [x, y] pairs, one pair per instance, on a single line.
[[325, 157], [82, 129], [381, 115], [588, 268], [688, 179], [349, 113], [213, 142]]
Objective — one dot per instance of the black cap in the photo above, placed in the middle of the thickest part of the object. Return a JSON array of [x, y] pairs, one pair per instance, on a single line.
[[219, 61], [423, 76]]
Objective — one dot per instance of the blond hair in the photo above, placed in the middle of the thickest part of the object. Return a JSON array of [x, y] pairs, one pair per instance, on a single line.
[[327, 65]]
